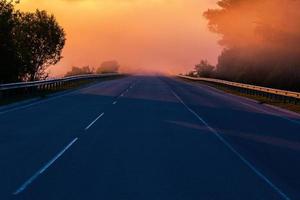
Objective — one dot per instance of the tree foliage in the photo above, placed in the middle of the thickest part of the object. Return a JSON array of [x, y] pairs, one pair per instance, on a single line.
[[105, 67], [108, 67], [9, 62], [260, 40], [30, 42], [40, 41], [204, 69], [80, 71]]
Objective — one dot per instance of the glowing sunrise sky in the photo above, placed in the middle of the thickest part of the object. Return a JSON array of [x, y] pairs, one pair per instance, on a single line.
[[142, 35]]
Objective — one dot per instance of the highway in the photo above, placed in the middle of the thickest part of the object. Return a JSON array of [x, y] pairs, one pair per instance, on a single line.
[[148, 138]]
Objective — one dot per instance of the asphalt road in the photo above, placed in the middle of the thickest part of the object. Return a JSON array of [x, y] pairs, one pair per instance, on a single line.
[[148, 138]]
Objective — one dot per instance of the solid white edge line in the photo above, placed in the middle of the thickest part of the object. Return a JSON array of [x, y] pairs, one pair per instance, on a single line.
[[43, 169], [244, 160], [93, 122], [231, 96]]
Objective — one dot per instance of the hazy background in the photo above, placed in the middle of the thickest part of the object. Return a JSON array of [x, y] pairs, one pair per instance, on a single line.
[[143, 35]]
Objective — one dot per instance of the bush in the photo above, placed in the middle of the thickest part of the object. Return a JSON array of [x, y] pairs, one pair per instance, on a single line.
[[108, 67], [79, 71], [204, 69]]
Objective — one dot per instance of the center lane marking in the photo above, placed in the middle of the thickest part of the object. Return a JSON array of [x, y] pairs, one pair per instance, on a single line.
[[48, 164], [93, 122], [43, 169], [126, 91]]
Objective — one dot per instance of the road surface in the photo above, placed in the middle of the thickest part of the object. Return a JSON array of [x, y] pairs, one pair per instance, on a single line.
[[148, 138]]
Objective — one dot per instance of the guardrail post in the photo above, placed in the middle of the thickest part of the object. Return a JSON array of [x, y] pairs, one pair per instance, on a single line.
[[36, 90], [284, 99], [273, 96], [42, 89]]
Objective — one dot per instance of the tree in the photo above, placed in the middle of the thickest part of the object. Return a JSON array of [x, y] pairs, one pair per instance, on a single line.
[[29, 43], [10, 69], [260, 47], [40, 41], [204, 69], [79, 71], [108, 67]]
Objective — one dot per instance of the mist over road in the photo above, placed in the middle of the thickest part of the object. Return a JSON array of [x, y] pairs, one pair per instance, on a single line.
[[149, 137]]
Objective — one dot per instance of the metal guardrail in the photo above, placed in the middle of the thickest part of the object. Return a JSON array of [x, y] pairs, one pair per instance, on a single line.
[[23, 88], [265, 91], [53, 81]]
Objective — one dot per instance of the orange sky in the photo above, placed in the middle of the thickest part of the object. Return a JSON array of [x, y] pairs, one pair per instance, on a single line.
[[143, 35]]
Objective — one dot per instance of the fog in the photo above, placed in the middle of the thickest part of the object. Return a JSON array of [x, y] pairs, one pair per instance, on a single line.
[[167, 36], [261, 40], [270, 24]]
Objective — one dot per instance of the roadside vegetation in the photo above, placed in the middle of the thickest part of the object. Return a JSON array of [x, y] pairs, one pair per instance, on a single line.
[[29, 43], [108, 67], [104, 68], [80, 71], [260, 40], [260, 47]]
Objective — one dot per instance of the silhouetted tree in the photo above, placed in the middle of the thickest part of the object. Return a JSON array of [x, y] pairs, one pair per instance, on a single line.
[[80, 71], [10, 66], [29, 43], [40, 41], [108, 67], [204, 69], [260, 39]]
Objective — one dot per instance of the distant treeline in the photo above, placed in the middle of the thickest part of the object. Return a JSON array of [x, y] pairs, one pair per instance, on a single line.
[[29, 43], [261, 42], [105, 67]]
